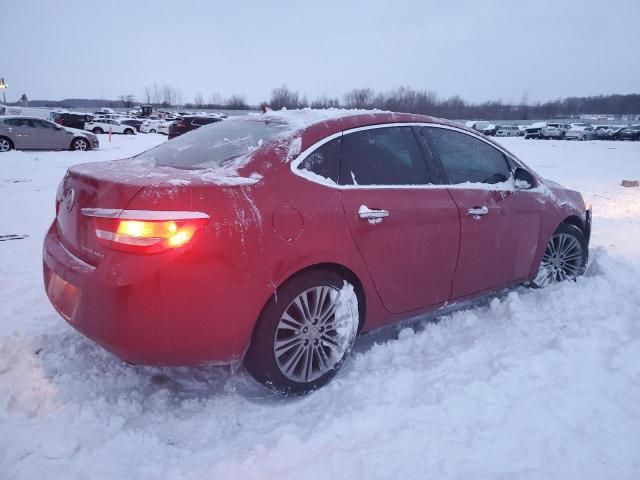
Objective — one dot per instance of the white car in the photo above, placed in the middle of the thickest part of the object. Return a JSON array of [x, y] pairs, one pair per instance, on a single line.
[[555, 130], [164, 125], [104, 125], [580, 133], [151, 125], [508, 131]]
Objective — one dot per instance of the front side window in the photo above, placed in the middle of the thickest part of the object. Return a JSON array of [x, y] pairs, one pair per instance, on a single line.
[[466, 158], [382, 156], [325, 160], [19, 122]]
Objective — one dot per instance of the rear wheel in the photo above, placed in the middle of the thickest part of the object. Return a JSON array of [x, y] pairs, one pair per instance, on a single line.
[[304, 334], [128, 131], [153, 130], [5, 144], [97, 130], [565, 257]]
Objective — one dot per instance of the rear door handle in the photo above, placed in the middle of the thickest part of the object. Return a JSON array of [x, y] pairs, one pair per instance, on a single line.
[[373, 216], [477, 211]]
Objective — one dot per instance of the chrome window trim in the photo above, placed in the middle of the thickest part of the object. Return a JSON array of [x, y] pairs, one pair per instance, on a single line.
[[314, 178]]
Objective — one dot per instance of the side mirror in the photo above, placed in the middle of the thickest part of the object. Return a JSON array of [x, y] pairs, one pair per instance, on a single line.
[[524, 180]]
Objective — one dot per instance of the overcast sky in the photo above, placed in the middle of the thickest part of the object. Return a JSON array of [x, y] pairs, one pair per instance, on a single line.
[[480, 50]]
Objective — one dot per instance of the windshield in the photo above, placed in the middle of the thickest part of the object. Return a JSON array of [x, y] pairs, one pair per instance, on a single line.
[[214, 145]]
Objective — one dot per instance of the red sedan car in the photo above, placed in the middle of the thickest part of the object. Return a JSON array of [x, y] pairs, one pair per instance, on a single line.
[[275, 239]]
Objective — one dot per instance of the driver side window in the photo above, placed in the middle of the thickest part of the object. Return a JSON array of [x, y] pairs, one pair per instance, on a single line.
[[466, 158]]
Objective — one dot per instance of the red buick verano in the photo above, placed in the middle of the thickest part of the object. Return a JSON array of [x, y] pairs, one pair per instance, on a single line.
[[275, 239]]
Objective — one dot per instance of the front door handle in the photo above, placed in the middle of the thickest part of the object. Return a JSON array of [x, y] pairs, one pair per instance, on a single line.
[[478, 211], [372, 215]]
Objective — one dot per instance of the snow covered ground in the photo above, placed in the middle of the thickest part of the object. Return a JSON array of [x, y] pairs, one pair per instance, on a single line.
[[536, 384]]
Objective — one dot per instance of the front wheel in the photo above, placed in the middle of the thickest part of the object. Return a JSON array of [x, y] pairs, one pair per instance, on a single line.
[[565, 257], [98, 131], [80, 144], [128, 131], [304, 334]]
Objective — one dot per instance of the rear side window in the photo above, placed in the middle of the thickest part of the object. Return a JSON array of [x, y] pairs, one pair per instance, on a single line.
[[382, 156], [325, 160], [466, 158], [19, 122]]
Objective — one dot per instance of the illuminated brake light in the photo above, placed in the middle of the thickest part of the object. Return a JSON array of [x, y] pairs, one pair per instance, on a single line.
[[145, 231]]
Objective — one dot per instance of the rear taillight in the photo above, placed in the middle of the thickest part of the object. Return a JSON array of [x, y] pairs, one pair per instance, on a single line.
[[145, 231]]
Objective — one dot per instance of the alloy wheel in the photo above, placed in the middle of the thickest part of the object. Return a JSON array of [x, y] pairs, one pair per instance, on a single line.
[[5, 146], [80, 145], [313, 334], [562, 260]]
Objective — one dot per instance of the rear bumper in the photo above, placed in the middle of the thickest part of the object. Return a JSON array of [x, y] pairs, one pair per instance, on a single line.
[[177, 312]]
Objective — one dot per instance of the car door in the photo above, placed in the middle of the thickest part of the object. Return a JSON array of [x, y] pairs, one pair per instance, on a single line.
[[500, 225], [46, 135], [20, 131], [405, 227]]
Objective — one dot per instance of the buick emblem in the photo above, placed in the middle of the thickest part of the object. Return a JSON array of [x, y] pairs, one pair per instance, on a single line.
[[68, 199]]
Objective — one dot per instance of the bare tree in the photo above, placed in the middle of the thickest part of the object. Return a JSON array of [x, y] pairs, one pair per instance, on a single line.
[[214, 101], [236, 102], [168, 95], [359, 98], [127, 100], [157, 96], [198, 101], [325, 102], [282, 97], [179, 97], [147, 95]]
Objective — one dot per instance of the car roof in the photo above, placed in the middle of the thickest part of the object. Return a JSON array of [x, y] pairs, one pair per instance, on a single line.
[[316, 124]]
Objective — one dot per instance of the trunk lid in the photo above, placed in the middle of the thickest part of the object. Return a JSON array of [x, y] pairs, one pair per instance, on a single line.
[[106, 185]]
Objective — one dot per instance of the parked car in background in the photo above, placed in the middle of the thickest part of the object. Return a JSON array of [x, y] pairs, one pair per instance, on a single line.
[[522, 129], [71, 119], [105, 125], [508, 131], [132, 122], [186, 124], [610, 132], [581, 133], [490, 129], [31, 133], [534, 130], [285, 235], [554, 130], [150, 125], [630, 133], [163, 127]]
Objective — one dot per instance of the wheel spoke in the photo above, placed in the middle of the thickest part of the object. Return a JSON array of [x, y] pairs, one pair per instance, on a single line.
[[283, 346]]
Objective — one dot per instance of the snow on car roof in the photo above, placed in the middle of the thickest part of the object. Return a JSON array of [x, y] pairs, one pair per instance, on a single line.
[[306, 117]]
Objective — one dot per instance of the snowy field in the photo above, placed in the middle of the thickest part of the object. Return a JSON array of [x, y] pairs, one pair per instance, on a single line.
[[536, 384]]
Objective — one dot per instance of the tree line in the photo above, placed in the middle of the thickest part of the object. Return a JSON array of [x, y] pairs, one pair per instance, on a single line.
[[427, 102]]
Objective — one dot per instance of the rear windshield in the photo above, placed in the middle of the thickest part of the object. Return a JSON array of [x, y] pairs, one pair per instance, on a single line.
[[214, 145]]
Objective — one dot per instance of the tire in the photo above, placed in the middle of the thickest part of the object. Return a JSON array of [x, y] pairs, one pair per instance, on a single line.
[[5, 144], [128, 131], [153, 130], [79, 144], [296, 350], [97, 131], [565, 257]]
